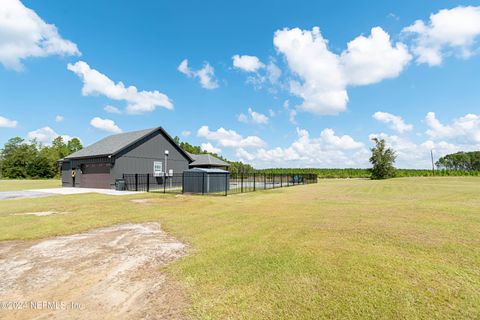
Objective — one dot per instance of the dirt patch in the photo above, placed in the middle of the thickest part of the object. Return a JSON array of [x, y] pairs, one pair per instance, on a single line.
[[38, 214], [107, 273], [141, 201]]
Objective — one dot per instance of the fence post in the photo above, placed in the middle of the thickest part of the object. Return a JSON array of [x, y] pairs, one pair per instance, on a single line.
[[226, 183], [183, 182], [273, 181], [164, 182], [148, 182], [281, 180], [254, 181], [241, 182], [264, 181], [136, 181], [203, 183]]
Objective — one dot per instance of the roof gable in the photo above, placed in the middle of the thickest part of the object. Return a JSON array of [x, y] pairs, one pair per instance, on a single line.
[[113, 144]]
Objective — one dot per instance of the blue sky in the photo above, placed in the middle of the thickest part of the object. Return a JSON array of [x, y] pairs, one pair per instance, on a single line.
[[256, 81]]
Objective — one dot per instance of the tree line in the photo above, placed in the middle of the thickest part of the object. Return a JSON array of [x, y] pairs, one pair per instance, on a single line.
[[358, 173], [465, 161], [20, 159], [383, 159]]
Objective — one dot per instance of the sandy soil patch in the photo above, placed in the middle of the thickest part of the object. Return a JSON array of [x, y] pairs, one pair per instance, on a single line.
[[141, 201], [107, 273], [38, 214]]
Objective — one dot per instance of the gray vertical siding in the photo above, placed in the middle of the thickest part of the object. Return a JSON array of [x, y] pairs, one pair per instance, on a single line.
[[139, 157], [205, 182], [66, 174], [67, 180]]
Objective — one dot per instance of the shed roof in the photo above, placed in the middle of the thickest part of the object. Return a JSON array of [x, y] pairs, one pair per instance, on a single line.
[[207, 160], [207, 170], [115, 143]]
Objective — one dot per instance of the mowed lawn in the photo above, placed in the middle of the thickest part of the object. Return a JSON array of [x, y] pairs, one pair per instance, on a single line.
[[406, 248], [16, 185]]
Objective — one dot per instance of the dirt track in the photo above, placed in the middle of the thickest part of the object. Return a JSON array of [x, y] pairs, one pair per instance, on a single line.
[[107, 273]]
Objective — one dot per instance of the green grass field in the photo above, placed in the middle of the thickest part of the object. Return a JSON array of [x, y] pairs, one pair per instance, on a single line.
[[16, 185], [406, 248]]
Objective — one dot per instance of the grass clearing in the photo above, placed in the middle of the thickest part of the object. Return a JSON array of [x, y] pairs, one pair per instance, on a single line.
[[16, 185], [400, 248]]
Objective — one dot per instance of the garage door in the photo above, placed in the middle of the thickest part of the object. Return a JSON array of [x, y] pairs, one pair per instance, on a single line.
[[95, 175]]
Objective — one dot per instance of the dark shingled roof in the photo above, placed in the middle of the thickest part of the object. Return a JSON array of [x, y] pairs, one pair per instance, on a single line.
[[111, 144], [115, 143], [206, 160]]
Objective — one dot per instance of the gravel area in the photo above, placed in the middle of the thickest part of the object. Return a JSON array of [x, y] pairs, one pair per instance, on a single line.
[[107, 273]]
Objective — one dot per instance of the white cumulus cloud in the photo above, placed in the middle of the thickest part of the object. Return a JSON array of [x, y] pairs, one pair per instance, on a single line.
[[59, 118], [210, 148], [253, 117], [449, 31], [24, 34], [372, 59], [464, 129], [325, 75], [206, 75], [292, 117], [7, 123], [328, 150], [138, 102], [230, 138], [395, 122], [266, 76], [105, 125], [332, 141], [111, 109], [247, 63], [323, 83], [46, 135]]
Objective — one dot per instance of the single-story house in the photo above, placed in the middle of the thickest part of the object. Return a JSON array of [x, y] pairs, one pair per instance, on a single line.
[[145, 151]]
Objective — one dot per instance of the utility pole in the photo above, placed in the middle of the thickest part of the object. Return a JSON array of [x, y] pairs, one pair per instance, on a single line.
[[433, 166]]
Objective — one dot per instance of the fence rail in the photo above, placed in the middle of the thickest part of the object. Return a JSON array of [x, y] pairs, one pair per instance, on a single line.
[[216, 185]]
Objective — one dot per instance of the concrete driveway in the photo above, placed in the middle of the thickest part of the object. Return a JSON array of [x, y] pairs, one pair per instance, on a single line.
[[37, 193], [11, 195]]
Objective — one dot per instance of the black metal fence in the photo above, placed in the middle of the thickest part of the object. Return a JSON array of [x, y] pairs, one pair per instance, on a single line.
[[153, 183], [206, 183], [240, 183]]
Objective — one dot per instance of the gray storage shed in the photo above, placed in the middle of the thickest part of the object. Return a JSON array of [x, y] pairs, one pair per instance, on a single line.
[[202, 180]]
